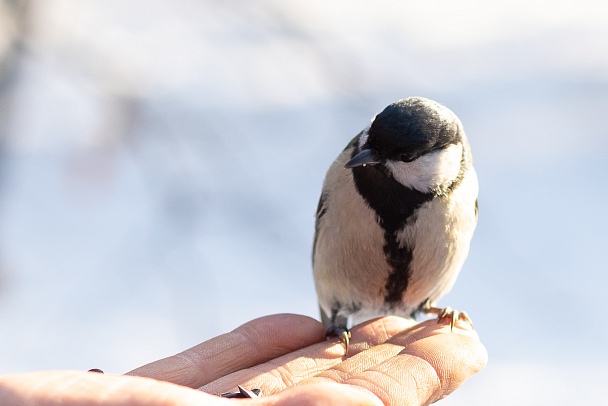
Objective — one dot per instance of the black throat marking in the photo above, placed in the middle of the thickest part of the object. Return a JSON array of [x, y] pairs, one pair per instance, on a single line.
[[394, 204]]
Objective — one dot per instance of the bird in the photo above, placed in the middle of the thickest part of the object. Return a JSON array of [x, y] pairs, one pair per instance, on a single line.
[[395, 218]]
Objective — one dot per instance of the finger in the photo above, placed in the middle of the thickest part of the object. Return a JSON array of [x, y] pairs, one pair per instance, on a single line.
[[321, 394], [453, 357], [424, 371], [69, 388], [283, 372], [253, 343]]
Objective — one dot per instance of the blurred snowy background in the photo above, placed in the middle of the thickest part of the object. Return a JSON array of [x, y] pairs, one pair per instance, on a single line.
[[160, 165]]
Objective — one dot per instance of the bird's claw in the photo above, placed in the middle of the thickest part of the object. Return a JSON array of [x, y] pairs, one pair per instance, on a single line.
[[443, 313], [340, 332], [243, 394], [453, 315], [345, 340]]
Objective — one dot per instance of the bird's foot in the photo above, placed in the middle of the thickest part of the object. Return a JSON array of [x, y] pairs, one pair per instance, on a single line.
[[443, 313], [342, 332], [243, 394]]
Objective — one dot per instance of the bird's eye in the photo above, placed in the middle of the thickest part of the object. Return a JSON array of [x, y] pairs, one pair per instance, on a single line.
[[408, 156]]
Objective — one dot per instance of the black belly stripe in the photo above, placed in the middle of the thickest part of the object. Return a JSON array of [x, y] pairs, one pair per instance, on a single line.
[[394, 204], [399, 259]]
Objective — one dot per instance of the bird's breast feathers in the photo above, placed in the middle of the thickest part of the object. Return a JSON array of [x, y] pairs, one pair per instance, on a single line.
[[350, 257]]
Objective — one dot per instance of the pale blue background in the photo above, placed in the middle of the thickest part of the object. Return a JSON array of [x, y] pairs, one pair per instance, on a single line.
[[160, 165]]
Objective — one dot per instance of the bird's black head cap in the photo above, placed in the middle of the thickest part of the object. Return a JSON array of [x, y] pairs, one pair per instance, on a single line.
[[414, 125]]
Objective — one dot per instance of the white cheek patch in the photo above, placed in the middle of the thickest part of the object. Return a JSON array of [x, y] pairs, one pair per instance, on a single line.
[[364, 136], [431, 171]]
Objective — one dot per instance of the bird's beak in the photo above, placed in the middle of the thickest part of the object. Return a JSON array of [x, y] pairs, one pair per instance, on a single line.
[[365, 157]]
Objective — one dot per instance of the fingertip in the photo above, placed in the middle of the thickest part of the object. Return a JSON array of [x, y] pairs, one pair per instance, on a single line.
[[478, 356]]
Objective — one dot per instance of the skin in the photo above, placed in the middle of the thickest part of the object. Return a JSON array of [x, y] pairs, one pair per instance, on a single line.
[[288, 358]]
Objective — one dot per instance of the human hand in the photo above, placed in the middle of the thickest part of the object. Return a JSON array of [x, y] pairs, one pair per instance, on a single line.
[[287, 358]]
